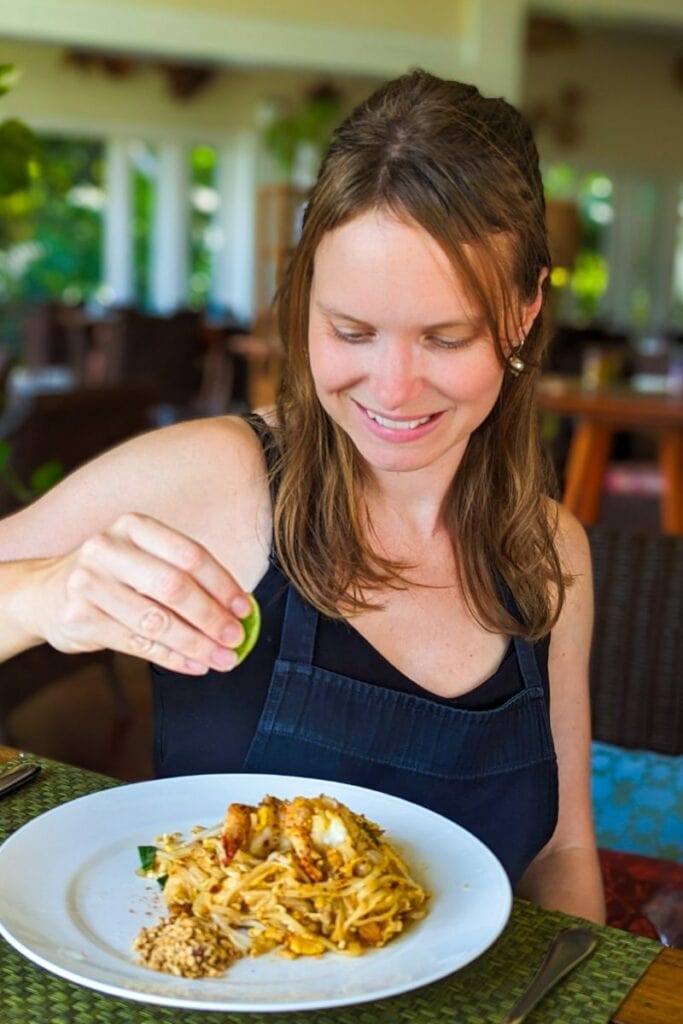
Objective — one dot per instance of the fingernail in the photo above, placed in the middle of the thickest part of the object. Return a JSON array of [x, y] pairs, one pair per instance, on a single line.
[[222, 658], [195, 666], [240, 605], [232, 635]]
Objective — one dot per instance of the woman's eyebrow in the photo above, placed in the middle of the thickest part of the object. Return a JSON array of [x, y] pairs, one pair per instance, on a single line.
[[329, 311], [456, 322]]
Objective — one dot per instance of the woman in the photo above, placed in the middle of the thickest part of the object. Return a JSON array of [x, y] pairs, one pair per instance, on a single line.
[[427, 609]]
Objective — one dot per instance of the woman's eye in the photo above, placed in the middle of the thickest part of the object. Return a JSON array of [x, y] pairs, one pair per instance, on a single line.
[[450, 343], [349, 335]]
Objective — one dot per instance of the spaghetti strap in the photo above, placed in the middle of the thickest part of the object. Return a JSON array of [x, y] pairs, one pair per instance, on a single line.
[[265, 434]]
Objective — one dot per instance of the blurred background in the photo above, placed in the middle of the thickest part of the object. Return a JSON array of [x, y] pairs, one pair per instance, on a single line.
[[155, 157]]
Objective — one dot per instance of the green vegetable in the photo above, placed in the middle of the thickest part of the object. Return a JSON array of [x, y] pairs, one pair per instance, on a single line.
[[162, 880], [369, 833], [147, 855], [252, 628]]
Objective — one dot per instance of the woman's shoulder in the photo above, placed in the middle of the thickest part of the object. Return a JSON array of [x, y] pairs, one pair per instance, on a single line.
[[570, 538], [195, 461], [206, 478], [230, 436], [573, 627], [226, 447]]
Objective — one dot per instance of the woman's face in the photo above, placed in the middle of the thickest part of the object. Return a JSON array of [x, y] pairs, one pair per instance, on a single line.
[[400, 358]]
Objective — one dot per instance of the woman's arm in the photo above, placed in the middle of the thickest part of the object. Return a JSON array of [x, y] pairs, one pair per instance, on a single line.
[[130, 551], [566, 873]]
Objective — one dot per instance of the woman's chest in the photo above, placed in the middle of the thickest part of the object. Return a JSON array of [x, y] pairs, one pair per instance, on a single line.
[[430, 636]]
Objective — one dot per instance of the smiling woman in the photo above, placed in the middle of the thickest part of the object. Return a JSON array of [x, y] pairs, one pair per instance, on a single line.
[[390, 515], [411, 370]]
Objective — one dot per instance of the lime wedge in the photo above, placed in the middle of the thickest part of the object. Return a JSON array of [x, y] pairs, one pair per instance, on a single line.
[[252, 627]]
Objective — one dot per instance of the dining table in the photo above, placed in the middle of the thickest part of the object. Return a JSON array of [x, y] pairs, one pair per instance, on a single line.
[[598, 415], [629, 979]]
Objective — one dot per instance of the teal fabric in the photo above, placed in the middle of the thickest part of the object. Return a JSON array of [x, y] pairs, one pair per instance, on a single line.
[[638, 801]]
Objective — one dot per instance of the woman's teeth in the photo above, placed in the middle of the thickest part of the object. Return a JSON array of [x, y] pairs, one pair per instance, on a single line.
[[397, 424]]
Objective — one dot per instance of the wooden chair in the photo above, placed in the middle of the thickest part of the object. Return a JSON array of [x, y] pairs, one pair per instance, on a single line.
[[53, 335], [27, 673], [162, 354], [72, 428]]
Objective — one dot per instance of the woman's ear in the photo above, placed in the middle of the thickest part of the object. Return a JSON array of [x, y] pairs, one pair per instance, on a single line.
[[533, 308]]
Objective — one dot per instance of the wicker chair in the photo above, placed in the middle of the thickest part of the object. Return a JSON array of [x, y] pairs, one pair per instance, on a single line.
[[637, 707], [637, 657]]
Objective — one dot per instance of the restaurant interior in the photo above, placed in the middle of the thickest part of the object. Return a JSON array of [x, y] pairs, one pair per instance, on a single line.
[[162, 181]]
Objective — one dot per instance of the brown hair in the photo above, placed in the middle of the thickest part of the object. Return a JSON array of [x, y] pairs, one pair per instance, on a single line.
[[465, 168]]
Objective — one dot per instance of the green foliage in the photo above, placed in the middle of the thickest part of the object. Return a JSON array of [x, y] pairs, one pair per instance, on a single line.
[[203, 160], [42, 479], [50, 231], [19, 147], [313, 121], [46, 476], [143, 199], [589, 282], [50, 193]]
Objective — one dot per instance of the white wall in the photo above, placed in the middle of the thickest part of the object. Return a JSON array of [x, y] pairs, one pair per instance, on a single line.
[[53, 96], [631, 114]]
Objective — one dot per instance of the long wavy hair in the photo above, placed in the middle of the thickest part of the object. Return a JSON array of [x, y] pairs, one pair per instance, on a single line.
[[465, 168]]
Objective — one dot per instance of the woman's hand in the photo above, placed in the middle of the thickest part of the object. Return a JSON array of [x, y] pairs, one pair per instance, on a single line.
[[144, 589]]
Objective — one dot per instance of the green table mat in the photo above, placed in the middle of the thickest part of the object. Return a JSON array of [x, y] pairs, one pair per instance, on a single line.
[[480, 993]]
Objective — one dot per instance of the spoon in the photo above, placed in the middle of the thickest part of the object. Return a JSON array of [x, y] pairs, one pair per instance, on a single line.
[[569, 948]]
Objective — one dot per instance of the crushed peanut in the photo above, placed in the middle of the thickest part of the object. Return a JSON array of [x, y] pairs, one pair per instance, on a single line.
[[185, 946]]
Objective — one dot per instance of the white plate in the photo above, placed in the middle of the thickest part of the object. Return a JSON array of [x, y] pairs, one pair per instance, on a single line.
[[71, 902]]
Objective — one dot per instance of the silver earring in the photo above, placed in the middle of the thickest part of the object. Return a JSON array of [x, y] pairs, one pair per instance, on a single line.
[[515, 363]]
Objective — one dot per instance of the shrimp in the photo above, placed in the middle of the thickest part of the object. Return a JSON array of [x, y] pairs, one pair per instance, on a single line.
[[236, 831], [297, 822]]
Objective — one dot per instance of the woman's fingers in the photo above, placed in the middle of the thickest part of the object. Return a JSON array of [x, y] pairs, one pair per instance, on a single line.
[[175, 594], [138, 625], [186, 555], [145, 589], [111, 634]]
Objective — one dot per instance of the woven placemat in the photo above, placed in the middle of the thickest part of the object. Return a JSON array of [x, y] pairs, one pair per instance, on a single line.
[[478, 994]]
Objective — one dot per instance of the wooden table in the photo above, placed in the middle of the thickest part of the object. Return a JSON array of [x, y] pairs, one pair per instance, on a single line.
[[598, 416], [655, 999]]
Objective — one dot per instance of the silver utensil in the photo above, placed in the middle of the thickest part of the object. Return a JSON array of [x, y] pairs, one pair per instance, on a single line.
[[15, 777], [570, 947]]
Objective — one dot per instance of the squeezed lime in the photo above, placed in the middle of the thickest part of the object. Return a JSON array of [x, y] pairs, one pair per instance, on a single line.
[[251, 624]]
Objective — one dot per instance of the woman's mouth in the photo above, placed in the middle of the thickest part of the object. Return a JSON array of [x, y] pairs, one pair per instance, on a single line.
[[399, 428], [385, 421]]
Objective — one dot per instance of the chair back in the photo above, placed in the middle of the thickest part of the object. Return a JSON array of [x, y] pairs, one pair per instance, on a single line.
[[54, 335], [160, 353], [69, 427], [637, 655]]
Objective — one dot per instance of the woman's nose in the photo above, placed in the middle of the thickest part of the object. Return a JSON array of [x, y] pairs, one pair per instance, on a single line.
[[396, 375]]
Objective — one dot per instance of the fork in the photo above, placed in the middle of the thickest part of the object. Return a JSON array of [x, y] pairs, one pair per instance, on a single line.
[[569, 948], [12, 778]]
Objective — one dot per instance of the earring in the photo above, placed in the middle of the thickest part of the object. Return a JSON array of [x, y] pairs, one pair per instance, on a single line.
[[515, 363]]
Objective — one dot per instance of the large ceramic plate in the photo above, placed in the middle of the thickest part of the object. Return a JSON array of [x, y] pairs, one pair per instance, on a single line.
[[70, 899]]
